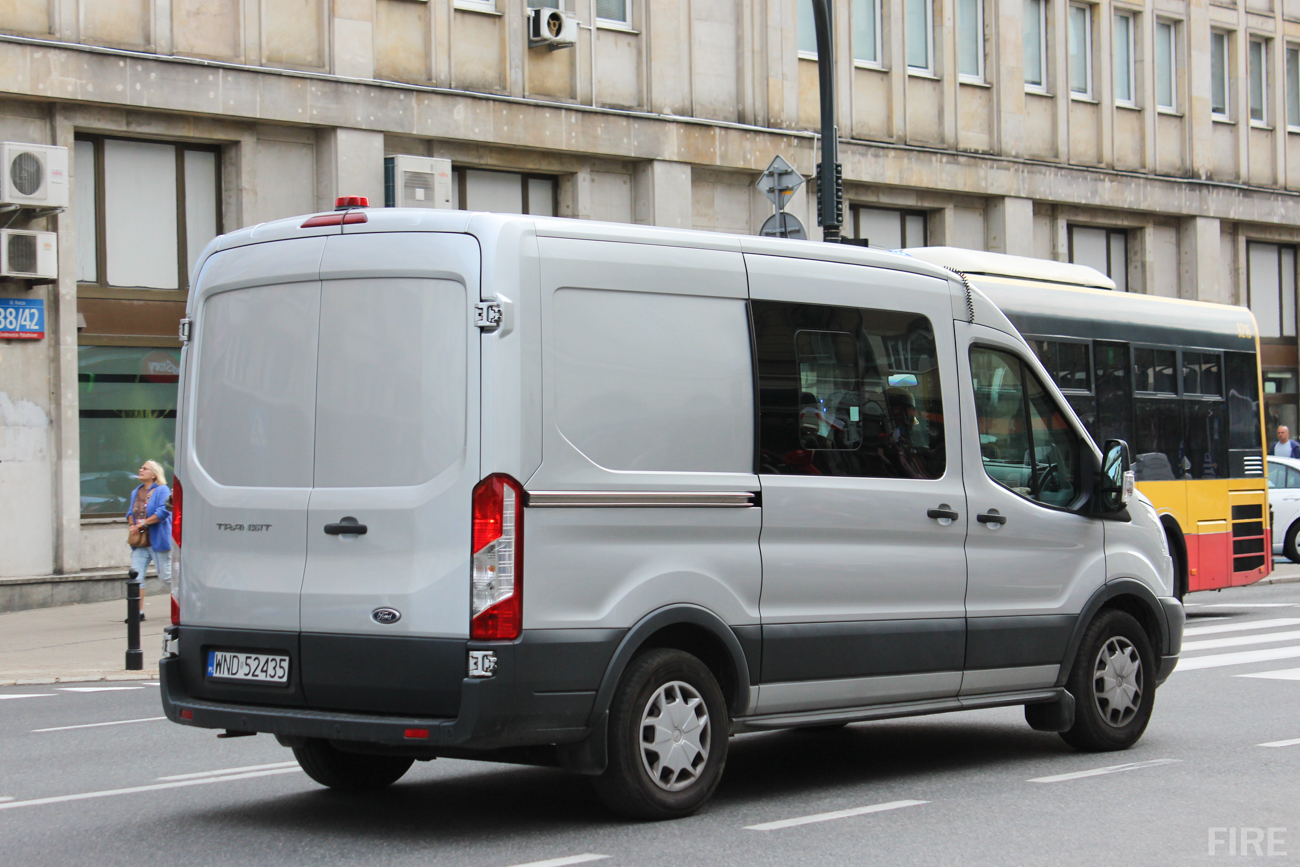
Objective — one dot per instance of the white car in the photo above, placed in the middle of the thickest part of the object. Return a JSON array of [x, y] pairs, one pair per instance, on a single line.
[[1284, 503]]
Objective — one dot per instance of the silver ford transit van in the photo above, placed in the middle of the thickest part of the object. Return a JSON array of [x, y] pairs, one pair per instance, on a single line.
[[601, 496]]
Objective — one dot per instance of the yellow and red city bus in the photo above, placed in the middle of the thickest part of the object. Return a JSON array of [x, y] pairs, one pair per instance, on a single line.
[[1179, 380]]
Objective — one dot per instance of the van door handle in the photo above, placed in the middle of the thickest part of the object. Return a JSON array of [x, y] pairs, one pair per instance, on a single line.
[[347, 527], [942, 513], [991, 517]]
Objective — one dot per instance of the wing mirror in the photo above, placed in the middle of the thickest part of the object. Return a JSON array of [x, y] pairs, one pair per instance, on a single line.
[[1117, 482]]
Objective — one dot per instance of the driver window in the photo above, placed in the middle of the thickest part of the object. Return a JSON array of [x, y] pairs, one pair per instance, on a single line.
[[1025, 441]]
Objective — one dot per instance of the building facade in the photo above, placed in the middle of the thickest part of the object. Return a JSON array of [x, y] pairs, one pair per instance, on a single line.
[[1158, 141]]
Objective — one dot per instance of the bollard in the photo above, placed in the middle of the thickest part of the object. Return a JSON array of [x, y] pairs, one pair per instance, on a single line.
[[134, 602]]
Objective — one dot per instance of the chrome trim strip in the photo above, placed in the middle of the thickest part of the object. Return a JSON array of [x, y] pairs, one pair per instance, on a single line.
[[622, 499]]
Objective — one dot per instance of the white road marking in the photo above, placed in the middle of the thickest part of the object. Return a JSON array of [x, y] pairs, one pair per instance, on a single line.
[[1241, 626], [7, 798], [225, 771], [561, 862], [836, 814], [1241, 640], [1097, 772], [1217, 660], [1289, 743], [1244, 605], [153, 787], [96, 688], [29, 695], [1281, 674], [120, 722]]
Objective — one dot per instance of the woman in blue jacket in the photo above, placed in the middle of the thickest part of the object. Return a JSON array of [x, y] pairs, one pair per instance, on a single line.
[[150, 512]]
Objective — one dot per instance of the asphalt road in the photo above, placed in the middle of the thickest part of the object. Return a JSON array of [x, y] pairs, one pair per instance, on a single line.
[[990, 790]]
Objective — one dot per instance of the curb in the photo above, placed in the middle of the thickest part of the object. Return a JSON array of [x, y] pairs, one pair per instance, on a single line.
[[89, 677]]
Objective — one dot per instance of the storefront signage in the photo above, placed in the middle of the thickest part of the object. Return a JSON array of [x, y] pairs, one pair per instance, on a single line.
[[22, 318]]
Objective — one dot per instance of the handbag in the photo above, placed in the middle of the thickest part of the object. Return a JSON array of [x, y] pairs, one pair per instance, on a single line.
[[138, 536]]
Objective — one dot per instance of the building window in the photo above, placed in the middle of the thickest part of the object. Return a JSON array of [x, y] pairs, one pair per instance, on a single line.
[[1293, 87], [970, 40], [889, 228], [1166, 66], [1103, 249], [1219, 76], [1123, 56], [1036, 45], [920, 35], [127, 416], [807, 30], [1258, 81], [614, 12], [143, 195], [1271, 279], [503, 192], [866, 31], [1080, 47]]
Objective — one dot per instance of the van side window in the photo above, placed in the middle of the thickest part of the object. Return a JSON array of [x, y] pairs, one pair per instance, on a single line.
[[1025, 441], [847, 392]]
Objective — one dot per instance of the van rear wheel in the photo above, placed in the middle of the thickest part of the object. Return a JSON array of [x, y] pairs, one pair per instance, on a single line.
[[349, 772], [1114, 684], [668, 732]]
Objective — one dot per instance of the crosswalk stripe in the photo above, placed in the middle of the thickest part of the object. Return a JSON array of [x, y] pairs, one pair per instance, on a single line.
[[1241, 640], [1281, 674], [1287, 743], [1242, 626], [1217, 660]]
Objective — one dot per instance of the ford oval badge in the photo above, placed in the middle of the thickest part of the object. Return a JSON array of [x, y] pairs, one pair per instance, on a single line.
[[385, 615]]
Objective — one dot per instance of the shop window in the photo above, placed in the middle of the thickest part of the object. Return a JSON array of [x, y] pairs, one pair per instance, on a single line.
[[144, 211], [504, 192], [127, 416]]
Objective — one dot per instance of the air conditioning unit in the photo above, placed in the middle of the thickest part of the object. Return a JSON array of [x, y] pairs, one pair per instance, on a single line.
[[553, 28], [34, 176], [29, 255], [417, 182]]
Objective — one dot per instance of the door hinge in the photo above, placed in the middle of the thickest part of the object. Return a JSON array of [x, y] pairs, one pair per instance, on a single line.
[[487, 315], [185, 330]]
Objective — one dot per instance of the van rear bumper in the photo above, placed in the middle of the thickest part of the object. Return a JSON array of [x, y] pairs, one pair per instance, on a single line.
[[543, 693]]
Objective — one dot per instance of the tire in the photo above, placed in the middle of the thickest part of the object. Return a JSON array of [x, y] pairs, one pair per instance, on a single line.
[[349, 772], [1289, 546], [1114, 647], [643, 783]]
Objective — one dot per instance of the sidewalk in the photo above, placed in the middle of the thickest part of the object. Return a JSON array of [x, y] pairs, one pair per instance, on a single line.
[[78, 642]]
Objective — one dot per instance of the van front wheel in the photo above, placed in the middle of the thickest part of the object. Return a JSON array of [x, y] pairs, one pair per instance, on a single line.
[[1113, 683], [668, 734], [349, 772]]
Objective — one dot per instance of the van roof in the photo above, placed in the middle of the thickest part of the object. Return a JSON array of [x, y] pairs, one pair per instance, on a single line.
[[487, 225], [972, 262]]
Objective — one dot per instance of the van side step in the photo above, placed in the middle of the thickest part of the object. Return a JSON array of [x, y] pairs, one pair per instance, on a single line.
[[892, 711]]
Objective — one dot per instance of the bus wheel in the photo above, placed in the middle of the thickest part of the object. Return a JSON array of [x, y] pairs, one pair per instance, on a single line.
[[668, 735], [1289, 546], [1114, 684]]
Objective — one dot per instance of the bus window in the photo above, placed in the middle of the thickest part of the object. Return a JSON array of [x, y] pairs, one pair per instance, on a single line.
[[1114, 394], [1067, 363], [1207, 447], [1155, 370], [1158, 440], [1243, 401], [1202, 373]]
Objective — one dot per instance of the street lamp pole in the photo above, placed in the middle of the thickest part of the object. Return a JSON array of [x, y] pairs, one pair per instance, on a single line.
[[830, 194]]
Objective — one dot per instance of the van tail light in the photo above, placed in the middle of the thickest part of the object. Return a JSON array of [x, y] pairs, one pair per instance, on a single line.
[[178, 497], [497, 564], [176, 610]]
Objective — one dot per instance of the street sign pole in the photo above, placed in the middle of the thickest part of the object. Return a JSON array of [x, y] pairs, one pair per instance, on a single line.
[[830, 194]]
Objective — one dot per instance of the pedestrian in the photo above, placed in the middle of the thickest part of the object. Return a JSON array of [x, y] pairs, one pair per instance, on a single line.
[[150, 524], [1284, 446]]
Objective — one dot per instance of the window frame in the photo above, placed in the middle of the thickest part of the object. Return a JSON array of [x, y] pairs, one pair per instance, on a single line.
[[980, 76], [1177, 393], [100, 287], [1225, 38], [1110, 231], [1172, 107], [855, 211], [624, 23], [929, 69], [879, 48], [1091, 390], [1131, 101], [1281, 303], [1292, 87], [1041, 87], [460, 178], [1086, 95], [1263, 120]]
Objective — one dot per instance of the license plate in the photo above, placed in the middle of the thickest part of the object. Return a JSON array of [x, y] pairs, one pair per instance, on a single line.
[[235, 665]]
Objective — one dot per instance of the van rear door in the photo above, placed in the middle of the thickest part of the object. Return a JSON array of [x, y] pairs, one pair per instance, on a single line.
[[396, 452]]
